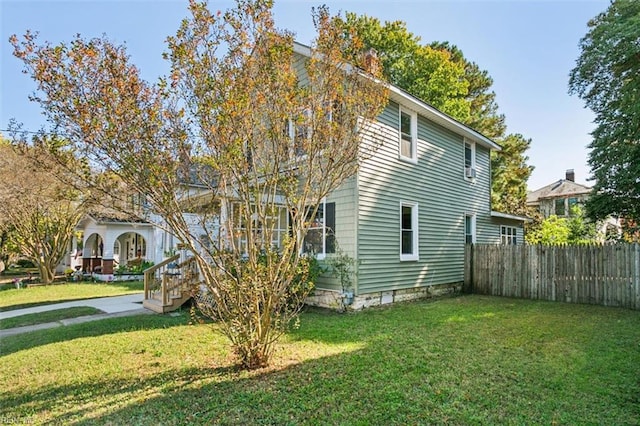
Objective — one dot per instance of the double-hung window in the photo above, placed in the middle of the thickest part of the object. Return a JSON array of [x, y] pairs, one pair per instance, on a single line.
[[321, 238], [469, 159], [469, 229], [408, 135], [298, 130], [508, 235], [408, 231]]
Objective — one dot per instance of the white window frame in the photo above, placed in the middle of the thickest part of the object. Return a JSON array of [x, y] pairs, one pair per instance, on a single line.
[[280, 229], [321, 254], [472, 148], [472, 218], [413, 158], [414, 255], [296, 131], [508, 235]]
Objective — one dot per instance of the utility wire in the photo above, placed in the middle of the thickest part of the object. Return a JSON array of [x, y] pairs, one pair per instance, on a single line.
[[31, 132]]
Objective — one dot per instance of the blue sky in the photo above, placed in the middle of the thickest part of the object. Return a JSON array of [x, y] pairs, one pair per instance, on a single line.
[[528, 47]]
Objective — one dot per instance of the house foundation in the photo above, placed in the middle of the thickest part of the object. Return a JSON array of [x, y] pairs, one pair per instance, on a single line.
[[332, 299]]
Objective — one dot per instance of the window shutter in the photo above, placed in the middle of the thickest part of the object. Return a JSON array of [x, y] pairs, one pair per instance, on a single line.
[[330, 223]]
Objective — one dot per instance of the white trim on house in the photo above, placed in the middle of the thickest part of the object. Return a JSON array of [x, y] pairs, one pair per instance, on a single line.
[[510, 216], [401, 97], [470, 168], [414, 255], [471, 230], [508, 234], [413, 134]]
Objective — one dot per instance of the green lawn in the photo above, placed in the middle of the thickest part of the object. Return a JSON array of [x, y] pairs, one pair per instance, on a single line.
[[48, 316], [467, 360], [57, 293]]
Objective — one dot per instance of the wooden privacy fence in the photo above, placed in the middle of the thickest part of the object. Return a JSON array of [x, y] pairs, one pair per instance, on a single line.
[[606, 275]]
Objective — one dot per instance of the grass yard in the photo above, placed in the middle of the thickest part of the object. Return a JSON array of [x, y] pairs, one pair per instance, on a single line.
[[467, 360], [48, 316], [58, 293]]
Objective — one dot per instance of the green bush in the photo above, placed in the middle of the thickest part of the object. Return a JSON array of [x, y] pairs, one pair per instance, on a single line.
[[25, 263], [302, 284], [309, 269], [134, 269]]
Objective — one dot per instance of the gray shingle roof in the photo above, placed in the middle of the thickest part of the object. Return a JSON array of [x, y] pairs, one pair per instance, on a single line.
[[560, 189]]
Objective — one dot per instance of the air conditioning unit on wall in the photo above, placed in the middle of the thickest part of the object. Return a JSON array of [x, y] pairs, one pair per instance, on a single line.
[[470, 172]]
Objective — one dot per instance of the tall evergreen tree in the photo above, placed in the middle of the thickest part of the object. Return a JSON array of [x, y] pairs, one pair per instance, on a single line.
[[484, 115], [428, 73], [510, 172], [509, 169], [607, 78]]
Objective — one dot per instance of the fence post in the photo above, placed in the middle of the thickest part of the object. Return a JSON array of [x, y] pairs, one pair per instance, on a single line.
[[468, 268], [636, 274], [472, 249]]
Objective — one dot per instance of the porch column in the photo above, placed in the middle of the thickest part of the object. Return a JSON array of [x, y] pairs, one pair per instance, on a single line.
[[107, 253]]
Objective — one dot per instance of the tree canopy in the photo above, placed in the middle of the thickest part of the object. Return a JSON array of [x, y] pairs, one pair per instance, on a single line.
[[427, 72], [510, 172], [39, 210], [607, 78]]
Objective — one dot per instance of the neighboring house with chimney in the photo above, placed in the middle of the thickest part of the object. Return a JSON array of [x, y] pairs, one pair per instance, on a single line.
[[559, 197]]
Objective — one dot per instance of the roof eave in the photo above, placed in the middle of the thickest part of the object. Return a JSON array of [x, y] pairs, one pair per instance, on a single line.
[[426, 110], [441, 118], [510, 216]]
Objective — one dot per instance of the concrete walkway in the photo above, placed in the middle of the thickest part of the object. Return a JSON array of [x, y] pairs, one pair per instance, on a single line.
[[116, 306]]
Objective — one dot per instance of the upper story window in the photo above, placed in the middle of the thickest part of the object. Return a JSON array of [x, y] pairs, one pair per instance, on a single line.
[[321, 238], [139, 204], [469, 159], [560, 209], [469, 229], [408, 135], [571, 202], [408, 231], [508, 235], [298, 130], [564, 206]]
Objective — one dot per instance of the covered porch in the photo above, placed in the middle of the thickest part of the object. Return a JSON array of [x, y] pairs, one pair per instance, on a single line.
[[111, 247]]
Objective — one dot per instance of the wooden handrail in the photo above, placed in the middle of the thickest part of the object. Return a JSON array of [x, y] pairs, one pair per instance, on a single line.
[[163, 263], [150, 272], [171, 284]]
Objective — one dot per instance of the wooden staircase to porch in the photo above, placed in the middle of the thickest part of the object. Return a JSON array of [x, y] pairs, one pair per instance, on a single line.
[[169, 284]]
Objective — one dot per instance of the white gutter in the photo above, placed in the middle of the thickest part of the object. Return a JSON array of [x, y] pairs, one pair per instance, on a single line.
[[510, 216]]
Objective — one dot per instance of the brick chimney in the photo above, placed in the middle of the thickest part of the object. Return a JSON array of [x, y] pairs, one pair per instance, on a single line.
[[371, 61], [571, 175]]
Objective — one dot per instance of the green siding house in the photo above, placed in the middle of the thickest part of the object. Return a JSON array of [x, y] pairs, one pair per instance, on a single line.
[[406, 216]]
